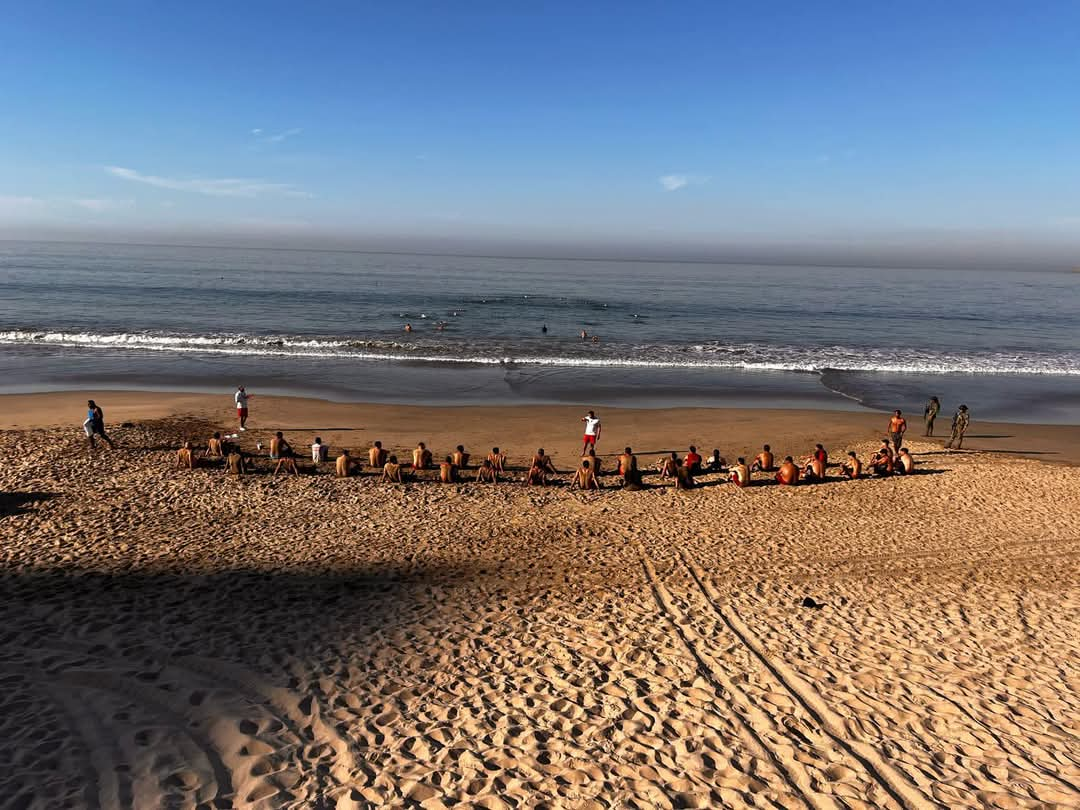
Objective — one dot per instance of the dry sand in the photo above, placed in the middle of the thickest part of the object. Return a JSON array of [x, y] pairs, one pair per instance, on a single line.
[[184, 639]]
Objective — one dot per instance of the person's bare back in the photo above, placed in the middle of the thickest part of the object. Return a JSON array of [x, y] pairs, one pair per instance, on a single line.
[[185, 457], [392, 472], [788, 474], [585, 477], [235, 463], [764, 461], [214, 446]]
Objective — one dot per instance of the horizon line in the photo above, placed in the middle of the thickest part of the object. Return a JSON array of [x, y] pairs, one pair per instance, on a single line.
[[556, 258]]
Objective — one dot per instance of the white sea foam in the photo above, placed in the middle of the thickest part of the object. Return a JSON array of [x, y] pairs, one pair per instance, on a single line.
[[747, 356]]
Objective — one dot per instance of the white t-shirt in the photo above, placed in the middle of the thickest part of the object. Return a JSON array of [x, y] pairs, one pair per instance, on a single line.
[[592, 424], [241, 399], [319, 452]]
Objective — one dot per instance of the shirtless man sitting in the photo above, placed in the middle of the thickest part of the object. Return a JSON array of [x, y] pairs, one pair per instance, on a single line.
[[344, 465], [740, 474], [497, 459], [377, 456], [235, 463], [585, 477], [668, 465], [628, 469], [487, 474], [905, 464], [421, 457], [287, 463], [882, 462], [282, 451], [461, 458], [594, 462], [215, 448], [185, 457], [540, 468], [448, 471], [788, 474], [814, 467], [684, 476], [391, 472], [763, 461], [852, 468]]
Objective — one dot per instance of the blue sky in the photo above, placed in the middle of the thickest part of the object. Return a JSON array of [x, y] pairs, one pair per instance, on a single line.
[[571, 121]]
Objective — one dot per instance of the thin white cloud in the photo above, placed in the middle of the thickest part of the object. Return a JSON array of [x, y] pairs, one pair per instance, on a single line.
[[279, 137], [275, 137], [225, 187], [674, 182]]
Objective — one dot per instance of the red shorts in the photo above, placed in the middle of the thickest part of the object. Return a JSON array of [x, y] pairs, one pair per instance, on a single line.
[[590, 439], [241, 412]]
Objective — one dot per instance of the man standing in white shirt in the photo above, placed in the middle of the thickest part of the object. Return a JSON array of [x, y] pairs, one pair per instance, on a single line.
[[592, 431], [241, 397]]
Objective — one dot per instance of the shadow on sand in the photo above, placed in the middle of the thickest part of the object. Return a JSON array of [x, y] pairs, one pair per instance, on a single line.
[[113, 679], [16, 503]]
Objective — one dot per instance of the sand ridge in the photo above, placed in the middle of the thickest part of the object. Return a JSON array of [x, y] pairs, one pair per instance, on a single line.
[[186, 639]]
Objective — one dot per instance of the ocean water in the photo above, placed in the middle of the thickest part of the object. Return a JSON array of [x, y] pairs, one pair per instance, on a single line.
[[332, 323]]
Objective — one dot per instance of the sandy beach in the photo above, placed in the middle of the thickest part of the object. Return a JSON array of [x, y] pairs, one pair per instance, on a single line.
[[186, 639]]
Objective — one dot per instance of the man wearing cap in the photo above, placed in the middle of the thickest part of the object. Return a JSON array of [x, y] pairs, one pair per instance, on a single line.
[[959, 427]]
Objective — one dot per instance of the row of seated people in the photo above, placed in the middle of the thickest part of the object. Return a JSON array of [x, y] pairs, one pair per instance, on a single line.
[[813, 468], [681, 471]]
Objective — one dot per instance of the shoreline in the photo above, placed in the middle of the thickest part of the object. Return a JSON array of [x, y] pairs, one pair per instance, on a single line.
[[520, 429]]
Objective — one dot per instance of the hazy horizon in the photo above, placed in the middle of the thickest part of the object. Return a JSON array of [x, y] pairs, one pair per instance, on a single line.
[[967, 254]]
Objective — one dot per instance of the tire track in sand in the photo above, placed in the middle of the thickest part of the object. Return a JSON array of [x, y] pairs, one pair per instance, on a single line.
[[746, 713], [165, 706], [107, 787], [895, 783]]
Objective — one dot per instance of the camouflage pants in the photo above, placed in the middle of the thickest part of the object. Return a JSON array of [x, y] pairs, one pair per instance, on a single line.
[[958, 437]]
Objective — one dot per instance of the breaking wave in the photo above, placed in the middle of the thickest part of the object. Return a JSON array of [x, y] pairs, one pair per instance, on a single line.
[[748, 356]]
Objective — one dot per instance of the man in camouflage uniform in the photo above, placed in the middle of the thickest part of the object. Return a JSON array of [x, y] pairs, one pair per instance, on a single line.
[[959, 427]]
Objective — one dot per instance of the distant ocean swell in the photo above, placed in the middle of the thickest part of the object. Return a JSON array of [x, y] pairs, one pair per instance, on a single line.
[[449, 349]]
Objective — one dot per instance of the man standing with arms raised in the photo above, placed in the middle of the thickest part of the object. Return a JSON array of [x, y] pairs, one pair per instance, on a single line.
[[241, 398], [592, 431]]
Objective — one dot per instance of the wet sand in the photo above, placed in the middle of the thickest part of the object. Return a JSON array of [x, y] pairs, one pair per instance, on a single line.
[[182, 638]]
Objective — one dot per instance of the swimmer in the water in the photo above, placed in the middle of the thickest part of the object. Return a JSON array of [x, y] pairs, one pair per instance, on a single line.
[[544, 328], [584, 335], [408, 327]]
